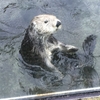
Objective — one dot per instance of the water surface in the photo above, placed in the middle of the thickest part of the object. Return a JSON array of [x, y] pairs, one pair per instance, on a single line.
[[80, 18]]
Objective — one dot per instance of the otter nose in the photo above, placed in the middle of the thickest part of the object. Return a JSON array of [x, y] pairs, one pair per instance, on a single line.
[[58, 24]]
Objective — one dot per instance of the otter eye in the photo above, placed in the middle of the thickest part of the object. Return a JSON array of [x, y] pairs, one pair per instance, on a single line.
[[46, 21]]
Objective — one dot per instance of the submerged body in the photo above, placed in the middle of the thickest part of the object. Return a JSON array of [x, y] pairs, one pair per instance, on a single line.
[[77, 59], [79, 66]]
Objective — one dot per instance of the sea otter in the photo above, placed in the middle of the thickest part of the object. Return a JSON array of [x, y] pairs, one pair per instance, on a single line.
[[39, 43]]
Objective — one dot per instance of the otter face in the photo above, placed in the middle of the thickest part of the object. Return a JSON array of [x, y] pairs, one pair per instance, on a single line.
[[46, 24]]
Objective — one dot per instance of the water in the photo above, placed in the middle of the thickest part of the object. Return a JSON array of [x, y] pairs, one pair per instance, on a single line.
[[79, 19]]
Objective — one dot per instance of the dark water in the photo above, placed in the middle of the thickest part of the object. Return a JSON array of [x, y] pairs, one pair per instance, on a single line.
[[79, 19]]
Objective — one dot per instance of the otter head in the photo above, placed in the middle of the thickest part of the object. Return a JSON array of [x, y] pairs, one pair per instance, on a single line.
[[45, 24]]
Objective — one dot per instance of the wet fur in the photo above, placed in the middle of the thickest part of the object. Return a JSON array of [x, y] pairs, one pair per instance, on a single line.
[[38, 44]]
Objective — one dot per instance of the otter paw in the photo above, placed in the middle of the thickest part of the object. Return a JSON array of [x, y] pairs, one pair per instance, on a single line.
[[71, 49]]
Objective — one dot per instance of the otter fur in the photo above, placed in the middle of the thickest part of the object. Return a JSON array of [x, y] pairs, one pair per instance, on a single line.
[[39, 42]]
